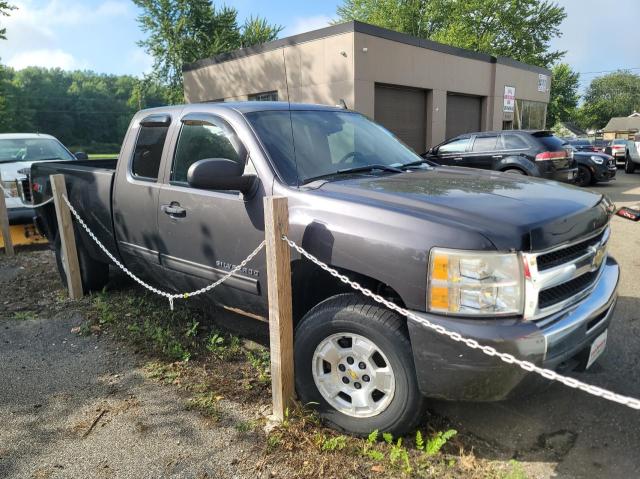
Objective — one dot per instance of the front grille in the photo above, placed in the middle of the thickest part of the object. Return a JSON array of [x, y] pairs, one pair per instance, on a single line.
[[26, 191], [564, 291], [566, 255]]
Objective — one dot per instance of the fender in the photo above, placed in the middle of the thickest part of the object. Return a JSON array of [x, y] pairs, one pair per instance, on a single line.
[[516, 161]]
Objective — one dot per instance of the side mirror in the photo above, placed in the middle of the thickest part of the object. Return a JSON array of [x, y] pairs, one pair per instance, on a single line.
[[81, 155], [219, 174]]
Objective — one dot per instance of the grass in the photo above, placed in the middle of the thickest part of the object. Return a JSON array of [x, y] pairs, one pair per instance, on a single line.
[[24, 315]]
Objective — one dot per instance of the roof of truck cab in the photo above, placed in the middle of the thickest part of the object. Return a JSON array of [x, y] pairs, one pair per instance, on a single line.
[[246, 107], [24, 136]]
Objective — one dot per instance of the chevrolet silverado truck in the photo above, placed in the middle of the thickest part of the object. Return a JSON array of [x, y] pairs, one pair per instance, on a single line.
[[514, 262]]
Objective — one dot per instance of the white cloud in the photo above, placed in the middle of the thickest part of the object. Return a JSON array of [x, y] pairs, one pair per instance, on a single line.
[[45, 58], [306, 24], [32, 30], [139, 60]]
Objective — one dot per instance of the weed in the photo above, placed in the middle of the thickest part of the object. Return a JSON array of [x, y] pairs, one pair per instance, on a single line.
[[246, 426], [192, 330], [368, 448], [166, 373], [261, 362], [222, 348], [433, 445], [273, 441], [206, 403], [335, 443], [515, 471], [399, 454], [24, 315], [106, 315]]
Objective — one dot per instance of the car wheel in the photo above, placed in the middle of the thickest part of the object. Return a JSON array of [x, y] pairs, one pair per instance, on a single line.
[[515, 171], [354, 364], [583, 177], [94, 274], [629, 166]]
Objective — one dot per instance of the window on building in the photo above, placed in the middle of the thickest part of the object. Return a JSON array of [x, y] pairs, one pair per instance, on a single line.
[[459, 145], [200, 141], [484, 143], [264, 96], [148, 151], [530, 115]]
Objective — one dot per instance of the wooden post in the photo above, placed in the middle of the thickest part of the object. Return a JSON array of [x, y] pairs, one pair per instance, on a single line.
[[67, 237], [4, 225], [276, 224]]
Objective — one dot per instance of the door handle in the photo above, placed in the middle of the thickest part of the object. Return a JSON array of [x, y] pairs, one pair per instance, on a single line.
[[496, 157], [457, 158], [174, 210]]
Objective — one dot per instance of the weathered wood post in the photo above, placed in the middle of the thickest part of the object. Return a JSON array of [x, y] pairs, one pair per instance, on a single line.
[[4, 225], [276, 220], [67, 237]]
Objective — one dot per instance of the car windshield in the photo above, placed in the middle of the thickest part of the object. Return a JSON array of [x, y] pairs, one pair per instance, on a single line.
[[304, 145], [32, 149], [619, 142]]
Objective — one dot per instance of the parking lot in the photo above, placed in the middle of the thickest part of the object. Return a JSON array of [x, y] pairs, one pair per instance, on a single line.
[[562, 432]]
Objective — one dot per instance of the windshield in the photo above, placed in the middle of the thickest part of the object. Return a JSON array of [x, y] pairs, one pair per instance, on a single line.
[[32, 149], [325, 142]]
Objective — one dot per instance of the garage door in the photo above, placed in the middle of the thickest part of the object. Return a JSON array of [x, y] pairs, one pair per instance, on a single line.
[[463, 114], [402, 111]]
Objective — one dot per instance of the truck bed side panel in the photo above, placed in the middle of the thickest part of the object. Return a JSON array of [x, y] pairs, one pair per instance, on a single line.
[[89, 187]]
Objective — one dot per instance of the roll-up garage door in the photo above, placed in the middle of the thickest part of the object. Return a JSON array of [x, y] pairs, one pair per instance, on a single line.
[[463, 114], [403, 111]]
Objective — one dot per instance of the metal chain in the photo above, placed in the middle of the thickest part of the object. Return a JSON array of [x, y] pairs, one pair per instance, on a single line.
[[170, 296], [4, 192], [472, 343]]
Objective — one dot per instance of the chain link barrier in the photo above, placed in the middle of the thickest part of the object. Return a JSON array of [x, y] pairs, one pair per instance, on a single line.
[[471, 343], [170, 296]]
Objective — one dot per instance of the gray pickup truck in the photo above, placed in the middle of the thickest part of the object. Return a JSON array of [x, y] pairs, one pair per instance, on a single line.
[[514, 262]]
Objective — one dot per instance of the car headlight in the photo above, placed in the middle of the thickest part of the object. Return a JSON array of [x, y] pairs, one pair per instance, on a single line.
[[10, 189], [475, 283], [597, 159]]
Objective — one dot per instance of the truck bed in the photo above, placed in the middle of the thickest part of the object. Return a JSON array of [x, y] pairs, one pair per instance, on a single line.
[[89, 188]]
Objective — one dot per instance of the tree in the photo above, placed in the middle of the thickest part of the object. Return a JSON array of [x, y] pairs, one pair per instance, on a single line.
[[5, 8], [517, 29], [183, 31], [564, 96], [615, 94]]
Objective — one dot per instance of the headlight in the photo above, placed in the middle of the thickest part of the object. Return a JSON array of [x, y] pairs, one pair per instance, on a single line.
[[10, 189], [597, 159], [473, 283]]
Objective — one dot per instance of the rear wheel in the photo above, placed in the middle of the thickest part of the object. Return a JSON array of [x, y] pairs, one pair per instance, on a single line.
[[584, 176], [514, 171], [94, 274], [629, 166], [355, 366]]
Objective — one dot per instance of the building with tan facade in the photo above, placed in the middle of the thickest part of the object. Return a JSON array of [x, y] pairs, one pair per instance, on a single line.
[[423, 91]]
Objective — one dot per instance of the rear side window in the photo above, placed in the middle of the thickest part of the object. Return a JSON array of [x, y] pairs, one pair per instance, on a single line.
[[513, 142], [148, 152], [458, 145], [199, 141], [484, 143], [551, 143]]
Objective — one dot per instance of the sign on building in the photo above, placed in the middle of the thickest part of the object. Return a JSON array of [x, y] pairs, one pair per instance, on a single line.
[[542, 82], [509, 99]]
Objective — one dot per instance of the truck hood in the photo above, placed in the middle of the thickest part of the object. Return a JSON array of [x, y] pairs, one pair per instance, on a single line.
[[514, 212], [10, 171]]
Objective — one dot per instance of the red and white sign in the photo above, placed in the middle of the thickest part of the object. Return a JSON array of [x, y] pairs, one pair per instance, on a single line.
[[509, 99]]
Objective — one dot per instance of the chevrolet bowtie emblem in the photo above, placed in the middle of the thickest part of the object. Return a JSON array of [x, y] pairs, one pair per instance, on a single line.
[[353, 375], [598, 257]]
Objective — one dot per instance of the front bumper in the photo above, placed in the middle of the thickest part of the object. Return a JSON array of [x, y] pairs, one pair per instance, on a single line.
[[450, 370], [21, 215], [604, 172]]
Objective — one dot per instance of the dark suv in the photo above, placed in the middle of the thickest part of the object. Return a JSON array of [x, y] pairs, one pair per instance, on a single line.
[[524, 152]]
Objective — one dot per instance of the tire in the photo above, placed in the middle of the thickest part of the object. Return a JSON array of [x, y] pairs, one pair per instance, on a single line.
[[629, 166], [514, 171], [337, 323], [584, 176], [94, 274]]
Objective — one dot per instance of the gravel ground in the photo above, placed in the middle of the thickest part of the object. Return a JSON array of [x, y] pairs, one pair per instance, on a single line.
[[55, 384]]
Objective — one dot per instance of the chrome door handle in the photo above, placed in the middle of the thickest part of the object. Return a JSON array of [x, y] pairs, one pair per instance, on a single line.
[[174, 210], [497, 157], [457, 158]]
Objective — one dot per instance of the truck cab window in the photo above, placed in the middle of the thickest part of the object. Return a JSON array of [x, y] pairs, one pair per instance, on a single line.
[[199, 141], [148, 151]]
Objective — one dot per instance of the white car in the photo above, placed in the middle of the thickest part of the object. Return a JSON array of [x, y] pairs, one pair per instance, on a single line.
[[17, 152]]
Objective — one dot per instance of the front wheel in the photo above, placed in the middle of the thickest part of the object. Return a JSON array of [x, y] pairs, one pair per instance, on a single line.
[[354, 364], [584, 176], [629, 166]]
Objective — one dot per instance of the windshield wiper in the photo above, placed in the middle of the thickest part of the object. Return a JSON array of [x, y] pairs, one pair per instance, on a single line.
[[417, 163], [355, 169]]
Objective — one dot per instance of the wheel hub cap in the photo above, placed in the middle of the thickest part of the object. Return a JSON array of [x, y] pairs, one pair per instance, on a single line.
[[353, 375]]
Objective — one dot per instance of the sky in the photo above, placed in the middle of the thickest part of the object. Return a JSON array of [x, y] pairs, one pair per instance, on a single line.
[[101, 35]]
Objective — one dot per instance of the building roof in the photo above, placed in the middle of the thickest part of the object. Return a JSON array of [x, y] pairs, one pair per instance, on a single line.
[[359, 27], [623, 123], [573, 128]]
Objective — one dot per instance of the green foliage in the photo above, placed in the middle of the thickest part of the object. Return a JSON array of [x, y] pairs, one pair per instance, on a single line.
[[434, 444], [564, 94], [183, 31], [206, 403], [615, 94], [85, 110], [5, 8], [24, 315], [335, 443], [368, 448], [521, 29], [192, 329], [223, 348], [261, 362], [515, 471]]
